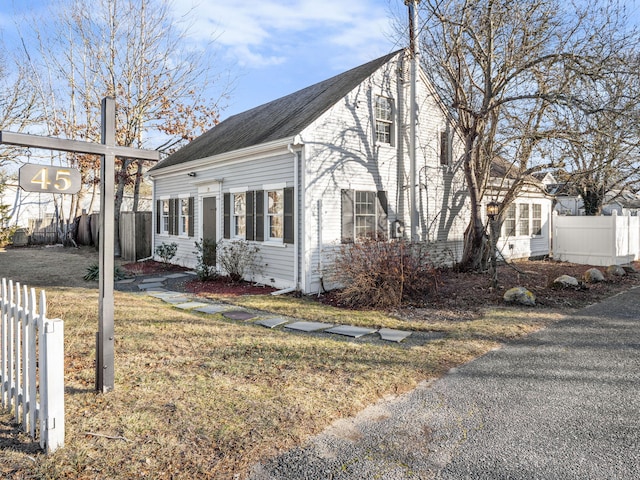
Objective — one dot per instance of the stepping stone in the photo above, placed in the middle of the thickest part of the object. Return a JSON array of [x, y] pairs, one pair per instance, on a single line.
[[308, 326], [176, 300], [177, 275], [147, 286], [271, 322], [212, 309], [190, 305], [391, 335], [239, 315], [351, 331], [165, 293], [154, 280], [125, 281]]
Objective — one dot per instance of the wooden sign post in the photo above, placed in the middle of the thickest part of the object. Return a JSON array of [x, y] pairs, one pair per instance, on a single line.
[[108, 150]]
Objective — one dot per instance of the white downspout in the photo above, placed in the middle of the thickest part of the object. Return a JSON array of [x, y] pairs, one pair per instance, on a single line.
[[296, 213]]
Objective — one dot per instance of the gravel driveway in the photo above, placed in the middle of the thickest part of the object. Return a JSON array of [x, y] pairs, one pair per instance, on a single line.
[[560, 404]]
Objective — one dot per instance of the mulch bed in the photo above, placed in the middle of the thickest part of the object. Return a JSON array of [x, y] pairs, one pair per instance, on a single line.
[[459, 294]]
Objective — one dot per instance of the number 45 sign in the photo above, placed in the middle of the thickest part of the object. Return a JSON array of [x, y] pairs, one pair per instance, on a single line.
[[41, 178]]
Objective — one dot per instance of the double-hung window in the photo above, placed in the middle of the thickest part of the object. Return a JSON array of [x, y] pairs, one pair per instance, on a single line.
[[164, 217], [364, 215], [239, 215], [536, 219], [510, 221], [184, 216], [275, 214], [384, 119], [523, 219]]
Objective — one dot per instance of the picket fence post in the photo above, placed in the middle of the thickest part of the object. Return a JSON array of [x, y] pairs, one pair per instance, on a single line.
[[32, 364]]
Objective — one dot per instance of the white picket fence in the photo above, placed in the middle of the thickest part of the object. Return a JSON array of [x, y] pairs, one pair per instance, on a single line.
[[32, 364], [599, 240]]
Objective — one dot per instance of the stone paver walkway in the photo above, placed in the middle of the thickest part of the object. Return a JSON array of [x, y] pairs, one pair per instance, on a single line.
[[156, 286]]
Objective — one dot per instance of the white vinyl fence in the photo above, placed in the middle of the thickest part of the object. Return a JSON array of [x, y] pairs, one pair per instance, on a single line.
[[600, 240], [32, 364]]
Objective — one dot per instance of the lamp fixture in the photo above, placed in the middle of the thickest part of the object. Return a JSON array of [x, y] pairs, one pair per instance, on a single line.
[[492, 209]]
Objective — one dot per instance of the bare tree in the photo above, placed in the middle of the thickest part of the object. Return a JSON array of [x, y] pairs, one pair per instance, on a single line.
[[135, 51], [504, 67], [601, 150]]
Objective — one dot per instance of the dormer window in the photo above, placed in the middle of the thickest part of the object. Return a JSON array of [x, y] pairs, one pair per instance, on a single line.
[[384, 123]]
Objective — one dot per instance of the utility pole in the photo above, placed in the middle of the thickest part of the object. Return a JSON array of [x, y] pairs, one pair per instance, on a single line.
[[413, 115]]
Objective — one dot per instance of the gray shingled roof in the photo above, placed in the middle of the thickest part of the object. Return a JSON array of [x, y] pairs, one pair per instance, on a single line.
[[281, 118]]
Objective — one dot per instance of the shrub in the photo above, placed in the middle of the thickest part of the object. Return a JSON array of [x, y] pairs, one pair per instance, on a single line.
[[238, 258], [381, 274], [167, 251], [206, 257], [93, 273]]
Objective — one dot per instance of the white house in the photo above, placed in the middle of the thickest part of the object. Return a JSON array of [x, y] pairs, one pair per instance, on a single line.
[[323, 166]]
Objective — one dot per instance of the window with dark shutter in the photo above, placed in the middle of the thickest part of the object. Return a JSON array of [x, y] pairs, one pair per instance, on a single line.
[[364, 215]]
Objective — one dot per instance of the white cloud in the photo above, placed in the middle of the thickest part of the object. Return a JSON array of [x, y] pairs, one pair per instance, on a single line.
[[264, 33]]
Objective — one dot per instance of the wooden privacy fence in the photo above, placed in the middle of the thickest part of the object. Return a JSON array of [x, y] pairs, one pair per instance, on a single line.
[[599, 240], [32, 364]]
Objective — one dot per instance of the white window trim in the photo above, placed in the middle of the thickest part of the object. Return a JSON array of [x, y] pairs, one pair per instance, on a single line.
[[267, 227], [181, 216], [234, 233], [530, 220], [164, 232]]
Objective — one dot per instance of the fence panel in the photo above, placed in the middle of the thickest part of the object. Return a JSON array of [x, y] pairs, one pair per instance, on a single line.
[[596, 240], [32, 364]]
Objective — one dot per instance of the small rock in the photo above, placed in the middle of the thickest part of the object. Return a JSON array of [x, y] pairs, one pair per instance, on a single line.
[[566, 281], [593, 275], [615, 271], [520, 295], [629, 268]]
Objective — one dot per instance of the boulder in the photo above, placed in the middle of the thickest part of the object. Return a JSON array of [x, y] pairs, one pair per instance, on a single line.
[[565, 281], [615, 271], [593, 275], [520, 295]]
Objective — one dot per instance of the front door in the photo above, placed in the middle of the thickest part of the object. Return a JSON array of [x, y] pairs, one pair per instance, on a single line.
[[209, 219]]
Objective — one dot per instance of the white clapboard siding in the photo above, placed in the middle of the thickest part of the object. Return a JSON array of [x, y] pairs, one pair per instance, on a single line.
[[29, 340]]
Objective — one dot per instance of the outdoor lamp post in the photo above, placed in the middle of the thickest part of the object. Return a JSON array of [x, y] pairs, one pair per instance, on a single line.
[[492, 212]]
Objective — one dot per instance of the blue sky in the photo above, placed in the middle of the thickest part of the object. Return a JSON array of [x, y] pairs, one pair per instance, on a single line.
[[275, 47]]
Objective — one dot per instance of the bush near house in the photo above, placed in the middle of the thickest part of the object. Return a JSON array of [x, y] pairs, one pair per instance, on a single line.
[[238, 258], [381, 274]]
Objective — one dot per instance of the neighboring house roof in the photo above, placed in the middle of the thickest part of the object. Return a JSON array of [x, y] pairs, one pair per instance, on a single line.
[[281, 118]]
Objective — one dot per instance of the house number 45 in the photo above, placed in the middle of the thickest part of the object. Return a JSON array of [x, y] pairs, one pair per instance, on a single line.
[[40, 178]]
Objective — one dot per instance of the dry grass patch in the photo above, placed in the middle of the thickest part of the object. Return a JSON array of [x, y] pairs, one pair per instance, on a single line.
[[198, 396]]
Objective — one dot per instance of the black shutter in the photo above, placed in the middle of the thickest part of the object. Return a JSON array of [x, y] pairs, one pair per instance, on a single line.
[[260, 215], [289, 219], [347, 215], [158, 215], [176, 216], [382, 229], [191, 217], [227, 215], [249, 216]]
